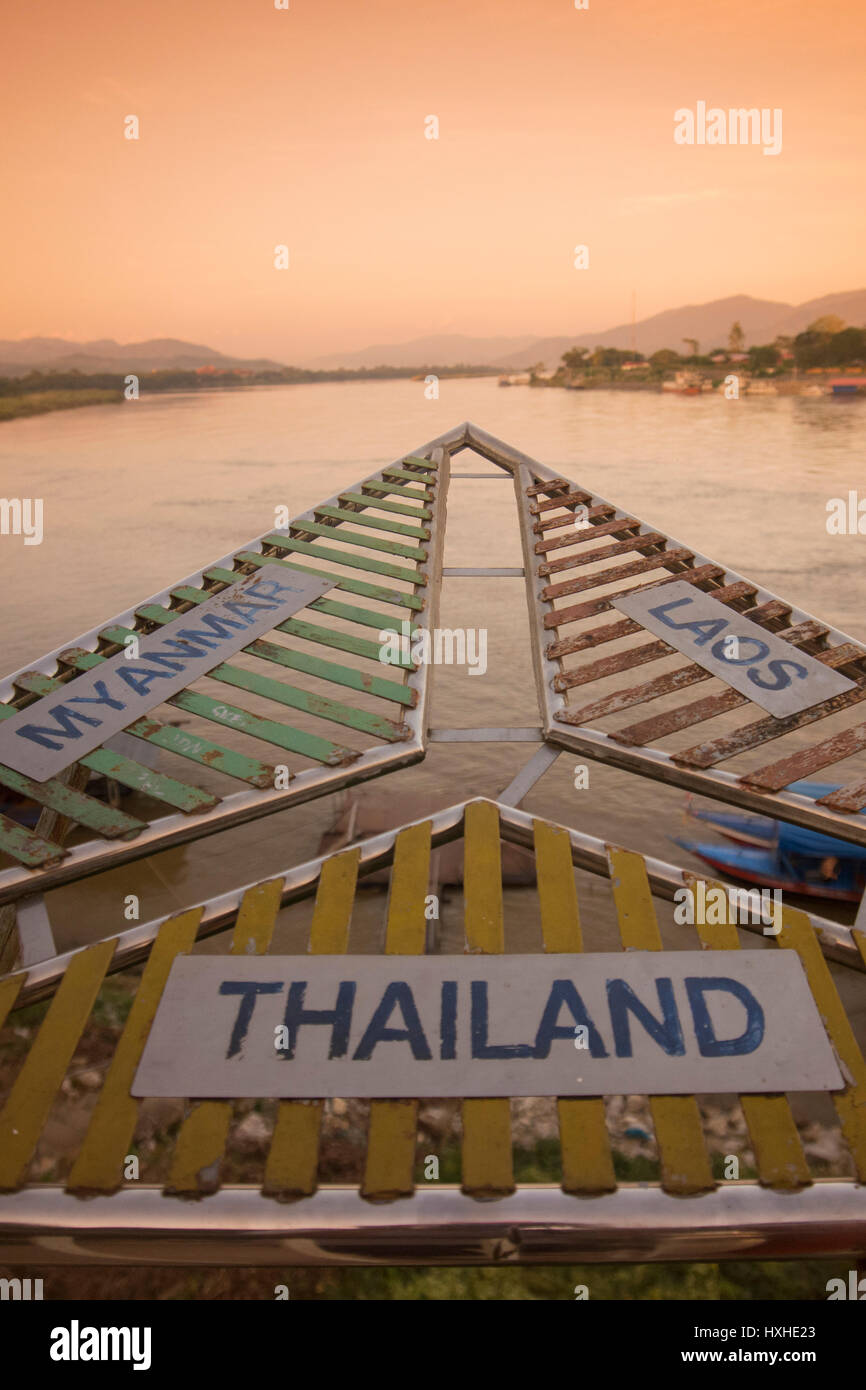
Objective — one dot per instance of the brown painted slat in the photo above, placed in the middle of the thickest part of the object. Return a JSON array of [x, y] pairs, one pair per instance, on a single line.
[[624, 699], [650, 730], [614, 527], [560, 616], [611, 632], [799, 765], [850, 798], [552, 523], [551, 486], [763, 731], [564, 499], [609, 665], [604, 552], [663, 559]]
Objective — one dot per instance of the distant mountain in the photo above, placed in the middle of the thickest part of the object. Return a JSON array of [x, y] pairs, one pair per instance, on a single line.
[[23, 355], [439, 349], [761, 319]]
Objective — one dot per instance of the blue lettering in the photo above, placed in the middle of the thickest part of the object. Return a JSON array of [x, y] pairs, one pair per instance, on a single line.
[[777, 669], [718, 652], [667, 1032], [340, 1018], [448, 1021], [711, 1046], [248, 990], [564, 992], [397, 994], [479, 1025]]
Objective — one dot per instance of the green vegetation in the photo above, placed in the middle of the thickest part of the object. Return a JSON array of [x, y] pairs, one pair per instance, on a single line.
[[38, 402]]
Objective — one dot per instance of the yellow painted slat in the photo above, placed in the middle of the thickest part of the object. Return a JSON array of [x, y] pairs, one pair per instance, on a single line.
[[778, 1150], [99, 1165], [9, 989], [39, 1079], [202, 1139], [798, 935], [587, 1162], [488, 1168], [393, 1129], [685, 1163], [293, 1157]]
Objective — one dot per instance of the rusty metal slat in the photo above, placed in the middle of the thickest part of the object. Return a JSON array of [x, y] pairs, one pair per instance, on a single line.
[[603, 509], [605, 552], [718, 750], [611, 632], [566, 499], [596, 637], [637, 695], [561, 616], [662, 560], [649, 730], [567, 518], [684, 716], [609, 665], [615, 527], [850, 798], [550, 486], [30, 849], [780, 774]]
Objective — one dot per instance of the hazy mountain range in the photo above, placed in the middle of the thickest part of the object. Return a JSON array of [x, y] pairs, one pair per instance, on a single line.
[[22, 355], [761, 319]]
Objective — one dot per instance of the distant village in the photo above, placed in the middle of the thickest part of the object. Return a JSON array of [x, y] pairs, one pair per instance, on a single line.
[[829, 357]]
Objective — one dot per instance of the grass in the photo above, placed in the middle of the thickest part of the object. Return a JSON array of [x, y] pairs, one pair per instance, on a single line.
[[38, 402]]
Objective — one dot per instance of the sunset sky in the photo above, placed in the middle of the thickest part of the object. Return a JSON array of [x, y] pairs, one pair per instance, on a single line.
[[261, 126]]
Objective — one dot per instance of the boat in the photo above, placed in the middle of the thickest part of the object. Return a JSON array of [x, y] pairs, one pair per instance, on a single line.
[[686, 383], [772, 854]]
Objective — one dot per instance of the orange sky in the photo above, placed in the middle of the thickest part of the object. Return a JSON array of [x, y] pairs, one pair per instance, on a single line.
[[306, 127]]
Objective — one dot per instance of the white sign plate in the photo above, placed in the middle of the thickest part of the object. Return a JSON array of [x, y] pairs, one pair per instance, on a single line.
[[778, 677], [47, 736], [647, 1023]]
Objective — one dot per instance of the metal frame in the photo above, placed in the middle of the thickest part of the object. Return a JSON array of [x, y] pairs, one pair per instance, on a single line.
[[441, 1226], [166, 832]]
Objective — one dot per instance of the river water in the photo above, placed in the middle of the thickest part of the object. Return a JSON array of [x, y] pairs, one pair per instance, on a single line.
[[136, 496]]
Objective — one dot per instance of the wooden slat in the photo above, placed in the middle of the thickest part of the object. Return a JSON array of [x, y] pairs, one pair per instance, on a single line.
[[201, 1142], [488, 1169], [410, 475], [40, 1077], [83, 809], [611, 665], [392, 1135], [10, 988], [398, 490], [561, 616], [376, 523], [349, 537], [772, 1130], [318, 705], [30, 849], [764, 730], [343, 582], [683, 1153], [636, 695], [346, 642], [381, 504], [850, 798], [348, 676], [808, 760], [604, 552], [293, 1157], [566, 499], [346, 558], [587, 1163], [99, 1165], [661, 560], [596, 637], [798, 934]]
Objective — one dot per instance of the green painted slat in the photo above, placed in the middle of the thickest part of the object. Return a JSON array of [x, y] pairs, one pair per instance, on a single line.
[[130, 773], [339, 557], [398, 490], [349, 586], [428, 464], [144, 779], [331, 671], [318, 705], [83, 809], [194, 747], [383, 505], [377, 523], [21, 844], [342, 641], [321, 750], [342, 533], [426, 478], [363, 616]]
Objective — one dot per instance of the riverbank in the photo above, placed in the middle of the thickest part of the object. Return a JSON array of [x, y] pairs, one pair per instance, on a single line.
[[39, 402]]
